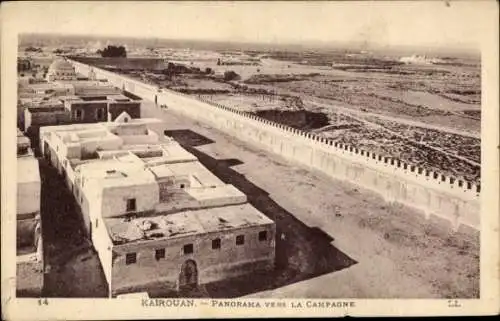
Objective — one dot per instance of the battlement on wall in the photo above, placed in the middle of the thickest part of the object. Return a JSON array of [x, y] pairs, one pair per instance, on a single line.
[[367, 158], [376, 160]]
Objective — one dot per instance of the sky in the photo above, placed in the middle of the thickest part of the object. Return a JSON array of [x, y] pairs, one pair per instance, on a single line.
[[427, 23]]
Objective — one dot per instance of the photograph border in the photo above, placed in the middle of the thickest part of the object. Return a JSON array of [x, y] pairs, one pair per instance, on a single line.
[[49, 308]]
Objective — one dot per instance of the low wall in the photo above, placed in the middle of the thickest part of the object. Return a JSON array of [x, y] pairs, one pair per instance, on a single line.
[[452, 199]]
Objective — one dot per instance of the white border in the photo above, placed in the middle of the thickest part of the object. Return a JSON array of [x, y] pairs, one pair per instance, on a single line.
[[483, 15]]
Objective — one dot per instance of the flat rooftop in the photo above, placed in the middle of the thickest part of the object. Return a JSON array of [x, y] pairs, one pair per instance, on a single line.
[[27, 170], [106, 173], [201, 175], [185, 223], [96, 98], [101, 125], [47, 85]]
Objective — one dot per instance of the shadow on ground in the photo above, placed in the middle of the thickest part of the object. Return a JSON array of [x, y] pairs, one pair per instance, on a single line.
[[68, 254], [302, 252]]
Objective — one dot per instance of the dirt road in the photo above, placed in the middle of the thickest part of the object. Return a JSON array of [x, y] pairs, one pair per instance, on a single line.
[[402, 121]]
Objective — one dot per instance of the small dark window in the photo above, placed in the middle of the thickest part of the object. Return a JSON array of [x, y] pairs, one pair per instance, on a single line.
[[182, 185], [96, 222], [262, 235], [240, 239], [188, 248], [100, 114], [79, 114], [216, 244], [130, 258], [131, 206], [159, 254]]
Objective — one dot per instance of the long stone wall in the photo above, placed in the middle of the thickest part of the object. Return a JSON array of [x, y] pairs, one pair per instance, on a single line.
[[449, 198]]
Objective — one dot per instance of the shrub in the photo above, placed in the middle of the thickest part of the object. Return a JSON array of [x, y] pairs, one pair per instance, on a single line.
[[231, 75], [114, 51]]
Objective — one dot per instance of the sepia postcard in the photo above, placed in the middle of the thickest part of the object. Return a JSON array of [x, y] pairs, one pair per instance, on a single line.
[[235, 159]]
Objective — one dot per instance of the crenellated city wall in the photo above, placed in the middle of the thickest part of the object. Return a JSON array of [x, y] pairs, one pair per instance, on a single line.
[[448, 198]]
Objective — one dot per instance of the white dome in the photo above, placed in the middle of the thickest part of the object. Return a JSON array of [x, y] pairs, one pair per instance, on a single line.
[[61, 70], [61, 65]]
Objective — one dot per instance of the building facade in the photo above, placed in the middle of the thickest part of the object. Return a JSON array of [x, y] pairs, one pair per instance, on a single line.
[[152, 209], [76, 110]]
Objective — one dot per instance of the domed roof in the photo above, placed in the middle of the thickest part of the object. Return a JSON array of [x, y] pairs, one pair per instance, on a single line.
[[61, 65]]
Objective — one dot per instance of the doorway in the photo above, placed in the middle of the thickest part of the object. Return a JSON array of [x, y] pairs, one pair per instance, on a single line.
[[188, 277]]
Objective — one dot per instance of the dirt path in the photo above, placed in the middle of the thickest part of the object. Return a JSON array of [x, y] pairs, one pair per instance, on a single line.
[[393, 252], [394, 119]]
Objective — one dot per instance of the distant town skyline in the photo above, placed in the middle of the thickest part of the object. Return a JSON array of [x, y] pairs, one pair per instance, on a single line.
[[374, 24]]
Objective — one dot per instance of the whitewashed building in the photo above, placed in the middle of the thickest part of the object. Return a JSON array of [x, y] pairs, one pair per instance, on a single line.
[[154, 213]]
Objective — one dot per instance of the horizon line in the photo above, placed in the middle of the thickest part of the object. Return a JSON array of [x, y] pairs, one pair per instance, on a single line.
[[319, 43]]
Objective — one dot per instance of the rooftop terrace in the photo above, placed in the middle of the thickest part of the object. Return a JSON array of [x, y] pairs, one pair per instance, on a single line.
[[127, 229]]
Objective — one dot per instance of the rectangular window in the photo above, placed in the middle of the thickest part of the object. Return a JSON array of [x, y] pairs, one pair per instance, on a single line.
[[159, 254], [96, 222], [216, 244], [240, 239], [99, 113], [262, 235], [131, 206], [130, 258], [79, 114], [188, 249]]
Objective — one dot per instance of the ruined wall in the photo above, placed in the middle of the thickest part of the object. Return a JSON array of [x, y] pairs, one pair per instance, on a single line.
[[446, 197], [25, 231], [29, 278], [38, 117], [230, 260]]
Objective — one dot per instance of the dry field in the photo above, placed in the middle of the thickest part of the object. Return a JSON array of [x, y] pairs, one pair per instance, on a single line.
[[424, 114]]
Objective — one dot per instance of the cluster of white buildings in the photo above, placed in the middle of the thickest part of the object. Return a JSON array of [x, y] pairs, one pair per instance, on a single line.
[[66, 98], [153, 212], [156, 216]]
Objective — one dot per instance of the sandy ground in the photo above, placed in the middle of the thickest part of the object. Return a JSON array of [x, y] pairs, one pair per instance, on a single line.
[[388, 251]]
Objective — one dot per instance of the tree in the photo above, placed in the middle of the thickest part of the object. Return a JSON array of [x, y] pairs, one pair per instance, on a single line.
[[208, 70], [114, 51], [33, 49], [231, 75]]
